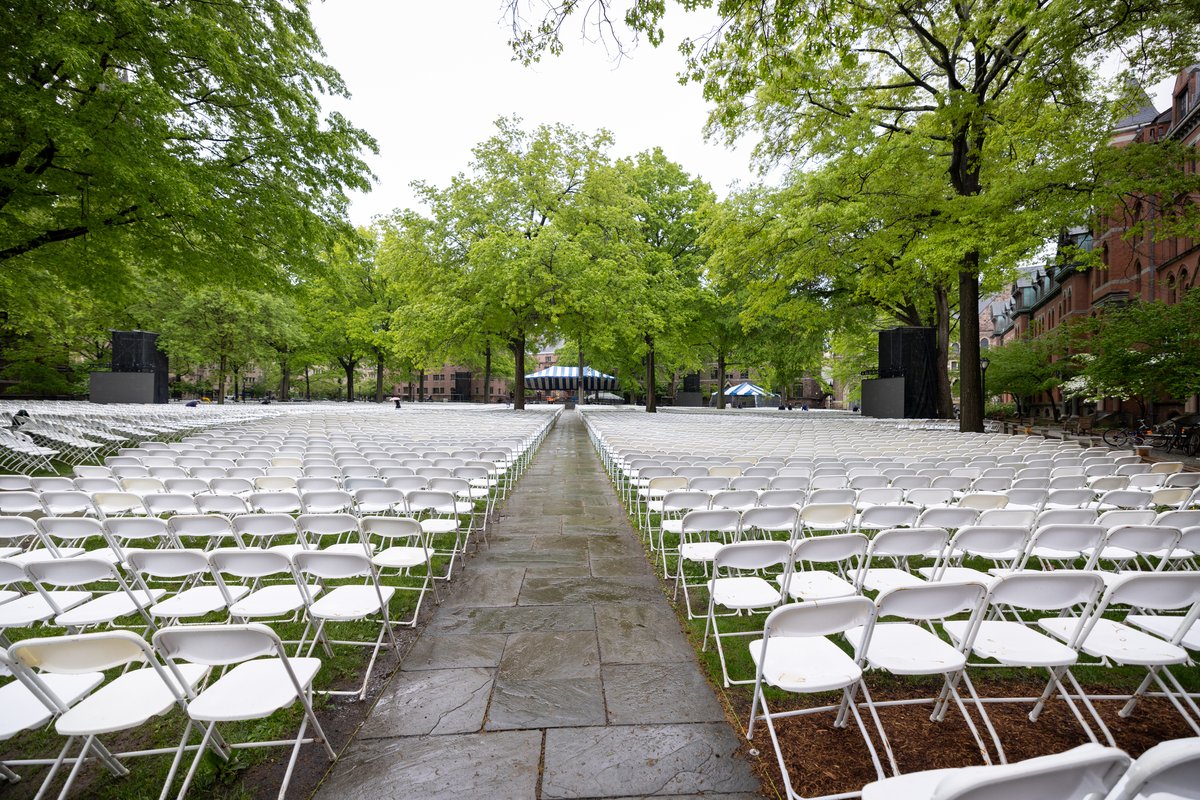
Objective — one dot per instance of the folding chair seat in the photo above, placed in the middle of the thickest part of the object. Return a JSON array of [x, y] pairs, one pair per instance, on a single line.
[[1120, 643], [210, 474], [844, 551], [408, 483], [795, 656], [1013, 642], [275, 483], [732, 589], [872, 480], [274, 502], [99, 609], [281, 599], [326, 502], [91, 471], [262, 681], [359, 602], [1009, 517], [702, 533], [899, 545], [1084, 773], [908, 648]]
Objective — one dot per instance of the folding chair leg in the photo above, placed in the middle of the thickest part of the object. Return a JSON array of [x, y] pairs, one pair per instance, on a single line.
[[191, 773]]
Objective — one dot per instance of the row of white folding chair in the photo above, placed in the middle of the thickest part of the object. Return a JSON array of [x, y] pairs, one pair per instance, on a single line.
[[62, 678], [795, 634], [1169, 769]]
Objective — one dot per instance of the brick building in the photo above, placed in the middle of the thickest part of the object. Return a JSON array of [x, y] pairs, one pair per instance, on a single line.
[[1132, 268]]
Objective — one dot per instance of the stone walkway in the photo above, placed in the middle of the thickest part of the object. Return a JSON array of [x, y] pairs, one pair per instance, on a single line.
[[555, 669]]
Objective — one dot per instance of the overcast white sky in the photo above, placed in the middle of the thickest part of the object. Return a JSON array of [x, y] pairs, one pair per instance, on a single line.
[[428, 80]]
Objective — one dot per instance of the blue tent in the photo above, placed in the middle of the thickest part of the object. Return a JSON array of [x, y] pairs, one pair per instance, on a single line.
[[747, 389], [553, 379]]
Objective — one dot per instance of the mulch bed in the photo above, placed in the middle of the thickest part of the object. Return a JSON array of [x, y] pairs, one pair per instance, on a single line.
[[823, 759]]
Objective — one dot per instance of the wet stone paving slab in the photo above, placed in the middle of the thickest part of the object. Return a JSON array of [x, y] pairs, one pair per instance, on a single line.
[[553, 668]]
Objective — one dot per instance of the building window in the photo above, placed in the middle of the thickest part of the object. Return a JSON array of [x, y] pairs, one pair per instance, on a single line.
[[1171, 295]]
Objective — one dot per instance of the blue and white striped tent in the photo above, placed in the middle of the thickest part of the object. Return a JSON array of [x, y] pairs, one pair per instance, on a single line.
[[747, 389], [553, 379]]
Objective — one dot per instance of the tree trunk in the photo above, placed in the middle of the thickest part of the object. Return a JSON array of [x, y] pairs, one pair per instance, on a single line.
[[421, 385], [970, 390], [945, 398], [379, 377], [579, 376], [307, 384], [651, 400], [517, 345], [285, 380], [221, 382], [721, 380], [349, 366], [487, 374]]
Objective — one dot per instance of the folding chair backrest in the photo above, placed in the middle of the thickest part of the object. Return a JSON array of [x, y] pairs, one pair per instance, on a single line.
[[1168, 770], [983, 501], [391, 527], [833, 496], [931, 600], [332, 565], [70, 571], [771, 518], [990, 540], [684, 500], [168, 563], [1066, 516], [212, 526], [218, 645], [249, 563], [735, 498], [1047, 591], [1116, 518], [1143, 539], [1012, 517], [814, 515], [82, 653], [836, 547], [327, 524], [66, 529], [435, 502], [752, 555], [819, 617], [1157, 590], [721, 519], [1086, 772]]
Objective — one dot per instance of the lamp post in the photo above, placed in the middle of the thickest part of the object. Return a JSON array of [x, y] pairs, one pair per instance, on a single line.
[[983, 365]]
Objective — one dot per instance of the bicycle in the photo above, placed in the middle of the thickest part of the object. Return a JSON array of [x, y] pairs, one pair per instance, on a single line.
[[1140, 436]]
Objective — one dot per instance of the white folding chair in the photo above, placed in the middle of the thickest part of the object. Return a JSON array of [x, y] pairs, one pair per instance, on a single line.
[[210, 529], [1084, 773], [402, 545], [262, 680], [795, 656], [102, 609], [702, 533], [899, 545], [1013, 642], [261, 530], [844, 551], [279, 599], [732, 589], [1120, 643], [908, 648], [128, 701], [358, 602]]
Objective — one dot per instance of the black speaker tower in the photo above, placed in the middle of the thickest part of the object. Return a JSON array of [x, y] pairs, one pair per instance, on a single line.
[[137, 351], [910, 353]]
